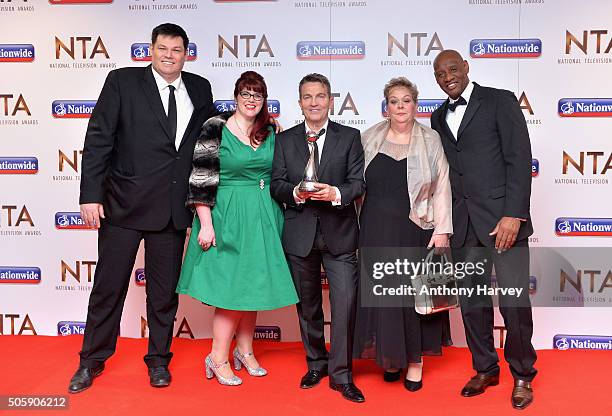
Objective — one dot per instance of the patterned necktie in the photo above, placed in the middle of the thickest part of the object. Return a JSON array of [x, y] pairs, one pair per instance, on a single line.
[[312, 137], [453, 106], [172, 112]]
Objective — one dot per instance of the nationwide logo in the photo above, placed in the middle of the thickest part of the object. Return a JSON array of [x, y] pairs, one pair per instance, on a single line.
[[535, 167], [230, 105], [425, 107], [30, 275], [139, 277], [17, 53], [268, 333], [582, 342], [583, 227], [65, 328], [585, 107], [316, 50], [70, 221], [18, 165], [79, 1], [72, 108], [505, 48], [141, 52]]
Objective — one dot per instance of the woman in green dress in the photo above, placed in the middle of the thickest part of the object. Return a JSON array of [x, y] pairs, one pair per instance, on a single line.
[[235, 260]]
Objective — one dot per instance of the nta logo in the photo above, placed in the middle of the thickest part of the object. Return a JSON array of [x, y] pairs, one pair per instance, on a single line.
[[235, 48], [83, 42], [583, 45]]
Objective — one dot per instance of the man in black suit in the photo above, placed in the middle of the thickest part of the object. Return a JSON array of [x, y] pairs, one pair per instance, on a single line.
[[486, 143], [136, 163], [321, 227]]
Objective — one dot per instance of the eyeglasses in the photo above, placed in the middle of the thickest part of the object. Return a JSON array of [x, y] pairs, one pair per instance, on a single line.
[[246, 95]]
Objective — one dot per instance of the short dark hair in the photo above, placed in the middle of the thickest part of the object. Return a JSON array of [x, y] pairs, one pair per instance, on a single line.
[[172, 30], [315, 78]]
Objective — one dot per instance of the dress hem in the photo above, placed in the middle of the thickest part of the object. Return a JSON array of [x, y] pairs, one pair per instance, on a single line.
[[235, 307]]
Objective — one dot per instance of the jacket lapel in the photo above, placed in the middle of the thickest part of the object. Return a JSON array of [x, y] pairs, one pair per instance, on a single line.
[[331, 141], [471, 109], [152, 94], [299, 139], [448, 134], [198, 104]]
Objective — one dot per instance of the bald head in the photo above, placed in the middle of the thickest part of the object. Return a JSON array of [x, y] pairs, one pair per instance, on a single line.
[[451, 72], [447, 53]]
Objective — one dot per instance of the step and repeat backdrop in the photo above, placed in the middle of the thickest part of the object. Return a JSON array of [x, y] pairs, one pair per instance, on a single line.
[[556, 56]]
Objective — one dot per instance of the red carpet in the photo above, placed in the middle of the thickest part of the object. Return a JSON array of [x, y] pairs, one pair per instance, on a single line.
[[569, 383]]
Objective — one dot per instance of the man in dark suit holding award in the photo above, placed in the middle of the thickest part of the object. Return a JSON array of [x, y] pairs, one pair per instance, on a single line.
[[487, 146], [136, 163], [321, 227]]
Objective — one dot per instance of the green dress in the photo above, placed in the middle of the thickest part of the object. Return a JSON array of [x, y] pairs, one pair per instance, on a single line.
[[247, 270]]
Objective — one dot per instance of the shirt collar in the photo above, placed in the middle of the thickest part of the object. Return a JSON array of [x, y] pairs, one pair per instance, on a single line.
[[466, 94], [307, 127], [162, 83]]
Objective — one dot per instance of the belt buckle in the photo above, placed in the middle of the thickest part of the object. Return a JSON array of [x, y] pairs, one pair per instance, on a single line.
[[261, 184]]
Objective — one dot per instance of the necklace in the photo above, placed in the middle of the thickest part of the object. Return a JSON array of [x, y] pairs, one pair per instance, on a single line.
[[240, 128]]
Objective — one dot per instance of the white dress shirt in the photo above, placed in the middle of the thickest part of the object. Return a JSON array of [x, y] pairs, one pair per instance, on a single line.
[[320, 144], [453, 118], [184, 106]]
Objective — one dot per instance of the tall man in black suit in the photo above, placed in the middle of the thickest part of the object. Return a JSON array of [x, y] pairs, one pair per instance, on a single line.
[[486, 143], [321, 227], [136, 163]]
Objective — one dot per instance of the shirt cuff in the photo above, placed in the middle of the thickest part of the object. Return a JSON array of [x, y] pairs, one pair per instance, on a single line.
[[338, 200], [296, 198]]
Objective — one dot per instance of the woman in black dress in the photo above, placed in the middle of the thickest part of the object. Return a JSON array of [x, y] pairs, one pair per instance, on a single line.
[[407, 205]]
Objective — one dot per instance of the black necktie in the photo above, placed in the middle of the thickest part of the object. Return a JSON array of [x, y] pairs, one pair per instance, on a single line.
[[316, 136], [453, 106], [172, 112]]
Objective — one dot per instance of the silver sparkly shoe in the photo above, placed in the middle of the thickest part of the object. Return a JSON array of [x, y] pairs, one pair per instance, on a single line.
[[211, 370], [239, 361]]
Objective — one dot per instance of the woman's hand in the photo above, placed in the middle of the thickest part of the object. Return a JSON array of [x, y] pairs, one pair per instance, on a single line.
[[440, 242], [206, 236]]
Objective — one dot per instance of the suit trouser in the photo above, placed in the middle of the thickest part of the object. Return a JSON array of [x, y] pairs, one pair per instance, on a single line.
[[512, 271], [117, 248], [341, 273]]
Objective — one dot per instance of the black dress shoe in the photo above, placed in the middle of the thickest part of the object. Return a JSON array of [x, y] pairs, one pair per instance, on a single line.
[[391, 376], [83, 378], [413, 385], [478, 384], [312, 378], [349, 392], [522, 394], [159, 376]]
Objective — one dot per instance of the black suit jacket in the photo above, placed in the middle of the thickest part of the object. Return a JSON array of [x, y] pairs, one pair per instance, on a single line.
[[490, 164], [341, 166], [130, 162]]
